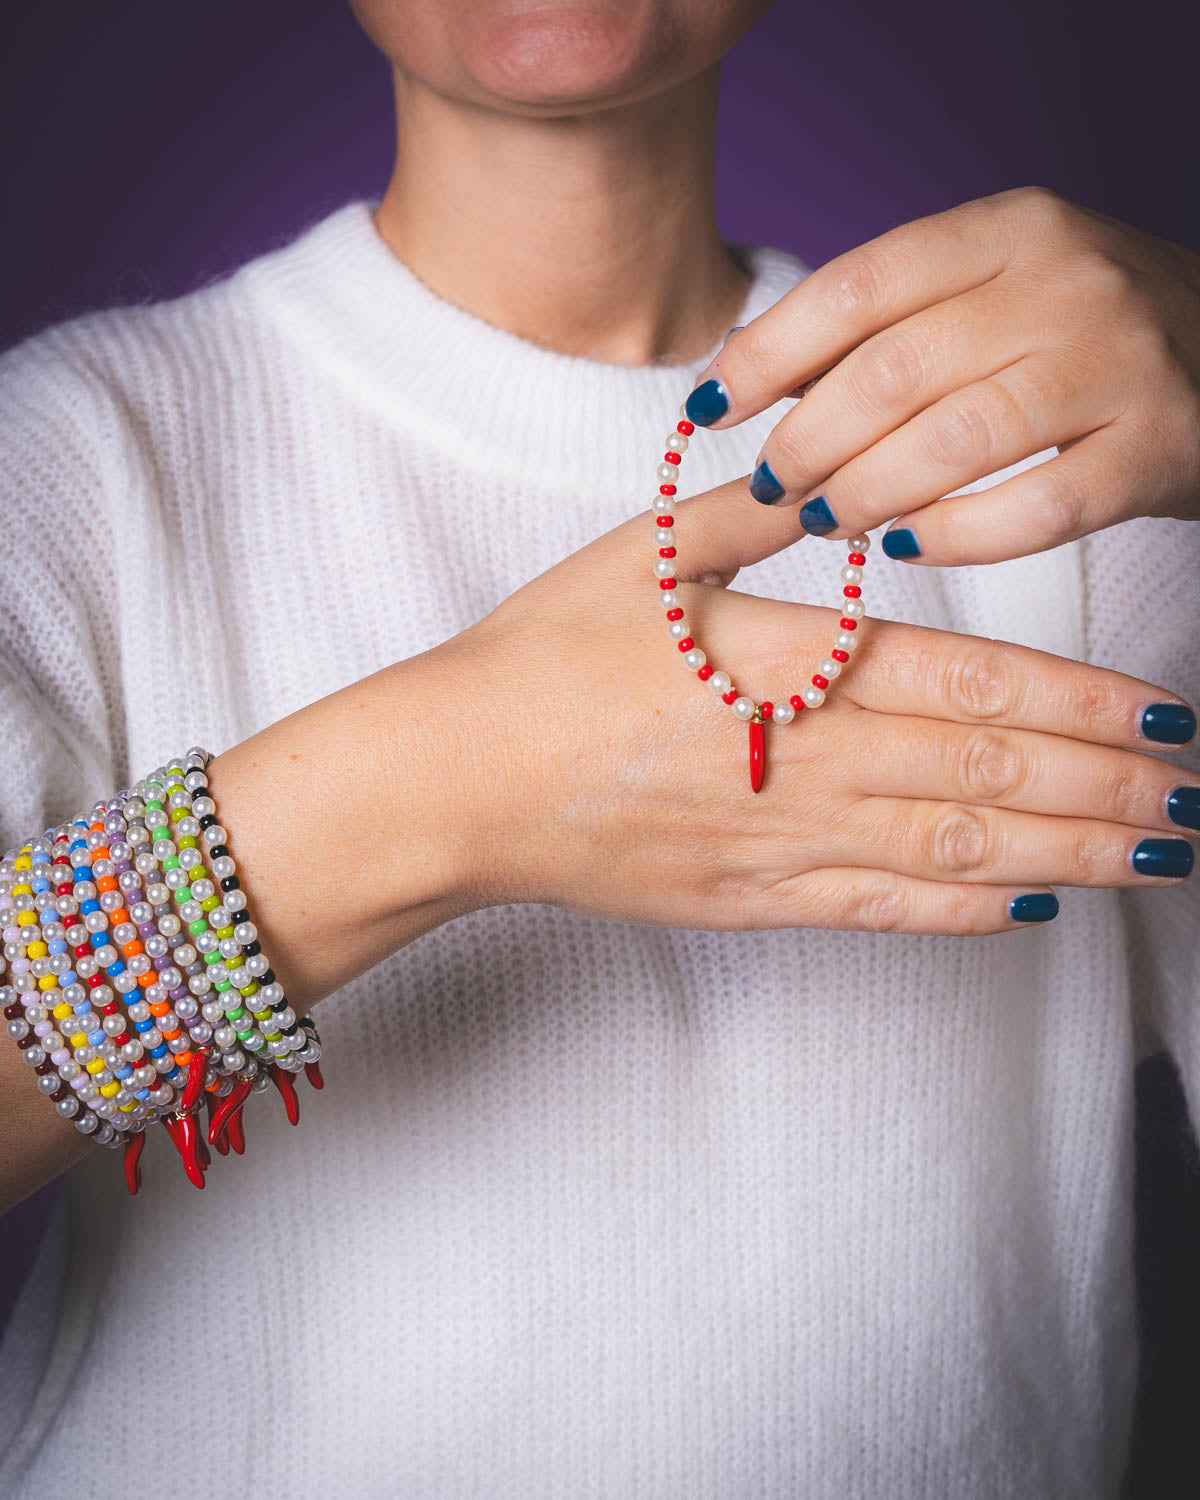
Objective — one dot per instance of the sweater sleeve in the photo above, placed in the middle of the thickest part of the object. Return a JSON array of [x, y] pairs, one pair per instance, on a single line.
[[60, 698], [1143, 617]]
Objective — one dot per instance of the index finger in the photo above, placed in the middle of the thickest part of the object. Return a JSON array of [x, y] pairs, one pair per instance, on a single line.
[[855, 295], [970, 679]]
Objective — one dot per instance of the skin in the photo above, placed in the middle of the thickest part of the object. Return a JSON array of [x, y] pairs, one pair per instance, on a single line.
[[953, 346], [957, 772]]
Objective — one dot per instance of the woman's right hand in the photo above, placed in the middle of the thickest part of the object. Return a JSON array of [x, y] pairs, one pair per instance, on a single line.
[[944, 776]]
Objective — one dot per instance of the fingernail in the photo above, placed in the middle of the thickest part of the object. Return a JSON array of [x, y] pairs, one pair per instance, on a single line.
[[707, 402], [1170, 857], [900, 542], [816, 517], [737, 328], [764, 486], [1183, 806], [1038, 906], [1168, 723]]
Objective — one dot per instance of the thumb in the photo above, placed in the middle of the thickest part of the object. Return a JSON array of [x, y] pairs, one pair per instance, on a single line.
[[725, 529]]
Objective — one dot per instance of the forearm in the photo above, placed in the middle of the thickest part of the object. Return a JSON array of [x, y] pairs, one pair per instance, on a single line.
[[345, 828]]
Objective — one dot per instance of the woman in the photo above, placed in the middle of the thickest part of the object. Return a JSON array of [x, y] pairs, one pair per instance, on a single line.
[[677, 1140]]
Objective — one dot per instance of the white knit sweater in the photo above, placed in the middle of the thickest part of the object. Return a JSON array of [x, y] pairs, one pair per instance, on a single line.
[[649, 1212]]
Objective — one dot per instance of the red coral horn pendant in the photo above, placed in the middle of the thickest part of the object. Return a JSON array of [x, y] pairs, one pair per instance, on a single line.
[[758, 751], [134, 1146], [286, 1085]]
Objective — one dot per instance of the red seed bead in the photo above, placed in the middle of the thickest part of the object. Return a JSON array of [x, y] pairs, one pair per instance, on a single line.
[[705, 672], [671, 458], [664, 520], [666, 552], [686, 644], [848, 624], [666, 583], [730, 695], [685, 427], [852, 591], [83, 950], [797, 702], [675, 614], [666, 489], [767, 709], [856, 559], [819, 681], [96, 979], [840, 655]]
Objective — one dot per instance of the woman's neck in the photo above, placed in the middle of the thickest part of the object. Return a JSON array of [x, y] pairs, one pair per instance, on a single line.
[[593, 234]]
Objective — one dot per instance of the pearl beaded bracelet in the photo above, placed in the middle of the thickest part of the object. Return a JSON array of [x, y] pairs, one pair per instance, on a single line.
[[74, 952], [744, 707]]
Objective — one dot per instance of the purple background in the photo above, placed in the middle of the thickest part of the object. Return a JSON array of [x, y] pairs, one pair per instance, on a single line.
[[151, 148]]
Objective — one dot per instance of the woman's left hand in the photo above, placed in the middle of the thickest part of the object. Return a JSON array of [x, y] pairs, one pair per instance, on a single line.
[[961, 343]]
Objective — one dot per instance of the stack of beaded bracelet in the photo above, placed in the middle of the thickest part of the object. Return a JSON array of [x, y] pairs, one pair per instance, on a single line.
[[86, 912]]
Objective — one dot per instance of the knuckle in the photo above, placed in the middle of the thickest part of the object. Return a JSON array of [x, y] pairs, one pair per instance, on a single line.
[[959, 839], [964, 911], [961, 430], [886, 372], [982, 681], [1091, 858], [1123, 794], [793, 448], [859, 287], [991, 769], [877, 905], [1099, 704]]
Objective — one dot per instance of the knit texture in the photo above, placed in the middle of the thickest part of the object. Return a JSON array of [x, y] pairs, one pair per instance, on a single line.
[[636, 1212]]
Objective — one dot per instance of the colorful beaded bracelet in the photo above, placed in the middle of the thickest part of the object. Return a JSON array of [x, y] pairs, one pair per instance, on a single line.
[[75, 950]]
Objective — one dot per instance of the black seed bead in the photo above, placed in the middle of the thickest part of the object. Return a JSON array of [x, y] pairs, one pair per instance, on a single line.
[[251, 950], [208, 820], [218, 851], [267, 978], [292, 1029], [230, 883]]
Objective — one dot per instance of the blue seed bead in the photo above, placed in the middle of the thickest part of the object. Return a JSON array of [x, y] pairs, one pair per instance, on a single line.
[[159, 1050], [144, 1025], [117, 968], [95, 1038], [87, 907]]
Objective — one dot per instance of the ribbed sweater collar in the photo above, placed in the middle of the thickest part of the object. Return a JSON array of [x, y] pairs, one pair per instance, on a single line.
[[494, 400]]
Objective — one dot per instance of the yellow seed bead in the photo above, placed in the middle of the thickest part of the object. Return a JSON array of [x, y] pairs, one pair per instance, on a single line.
[[210, 903], [48, 982], [251, 989], [26, 918], [109, 1089], [61, 1011], [23, 862], [125, 1108], [22, 890], [79, 1039], [36, 950], [97, 1065], [224, 932]]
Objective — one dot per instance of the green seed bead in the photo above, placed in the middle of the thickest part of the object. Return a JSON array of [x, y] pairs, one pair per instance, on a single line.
[[157, 806], [210, 903], [177, 813], [171, 862], [222, 985], [196, 928], [244, 1036], [225, 932], [186, 841]]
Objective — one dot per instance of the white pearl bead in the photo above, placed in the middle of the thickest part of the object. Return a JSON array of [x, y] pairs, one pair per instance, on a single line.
[[720, 682], [668, 598], [851, 574], [813, 697], [853, 609], [859, 544], [665, 536], [676, 443], [683, 412], [664, 567], [664, 505], [846, 640], [829, 668], [668, 473], [695, 658], [744, 707], [677, 629], [782, 713]]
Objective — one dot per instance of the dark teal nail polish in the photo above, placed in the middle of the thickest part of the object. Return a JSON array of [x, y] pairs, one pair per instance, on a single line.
[[1168, 723], [900, 543], [764, 486], [1170, 857], [816, 517], [1183, 806], [706, 403], [1038, 906]]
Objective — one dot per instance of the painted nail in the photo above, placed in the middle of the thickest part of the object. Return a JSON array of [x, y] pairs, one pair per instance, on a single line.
[[764, 486], [1183, 806], [706, 403], [1169, 857], [737, 328], [900, 543], [1168, 723], [1038, 906], [816, 517]]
